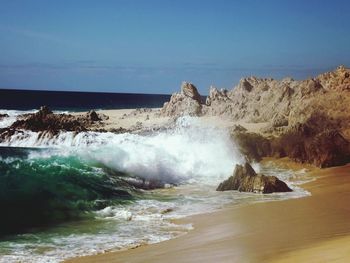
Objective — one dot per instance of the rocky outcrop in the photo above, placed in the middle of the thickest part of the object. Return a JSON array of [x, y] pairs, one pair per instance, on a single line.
[[328, 149], [44, 110], [285, 102], [282, 103], [279, 120], [187, 102], [317, 141], [245, 179], [189, 90], [253, 146], [307, 120], [92, 116], [218, 102], [216, 95], [47, 122], [338, 80]]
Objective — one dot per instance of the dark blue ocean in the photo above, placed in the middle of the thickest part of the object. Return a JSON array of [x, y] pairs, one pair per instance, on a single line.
[[77, 101]]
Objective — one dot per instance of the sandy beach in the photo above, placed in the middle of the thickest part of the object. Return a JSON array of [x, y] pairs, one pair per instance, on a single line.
[[128, 118], [131, 119], [310, 229], [174, 132]]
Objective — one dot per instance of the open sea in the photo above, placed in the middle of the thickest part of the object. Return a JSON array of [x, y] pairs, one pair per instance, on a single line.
[[72, 194], [77, 101]]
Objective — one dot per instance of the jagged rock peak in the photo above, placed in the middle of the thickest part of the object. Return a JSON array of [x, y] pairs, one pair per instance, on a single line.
[[187, 102], [245, 84], [341, 68], [287, 80], [338, 79], [190, 90], [215, 94]]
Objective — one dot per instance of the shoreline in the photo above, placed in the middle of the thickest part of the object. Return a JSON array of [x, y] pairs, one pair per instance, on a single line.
[[302, 229], [266, 231]]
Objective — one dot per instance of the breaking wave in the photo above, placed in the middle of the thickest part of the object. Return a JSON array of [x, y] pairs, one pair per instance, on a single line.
[[187, 153], [56, 180]]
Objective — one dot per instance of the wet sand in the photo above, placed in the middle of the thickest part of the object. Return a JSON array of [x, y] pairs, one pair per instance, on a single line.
[[310, 229]]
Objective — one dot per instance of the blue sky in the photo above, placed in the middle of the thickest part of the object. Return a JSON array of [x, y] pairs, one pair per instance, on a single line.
[[150, 46]]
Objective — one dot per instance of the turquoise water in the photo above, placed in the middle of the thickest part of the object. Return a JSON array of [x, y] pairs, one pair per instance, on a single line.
[[74, 194], [55, 189], [52, 200]]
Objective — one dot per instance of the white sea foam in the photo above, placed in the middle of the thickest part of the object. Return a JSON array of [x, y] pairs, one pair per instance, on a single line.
[[195, 157], [187, 153], [122, 227]]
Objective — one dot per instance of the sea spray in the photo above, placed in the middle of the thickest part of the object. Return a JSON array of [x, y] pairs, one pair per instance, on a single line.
[[187, 153], [81, 174]]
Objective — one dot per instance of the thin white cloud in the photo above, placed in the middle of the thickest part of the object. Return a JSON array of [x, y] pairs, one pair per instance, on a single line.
[[37, 35]]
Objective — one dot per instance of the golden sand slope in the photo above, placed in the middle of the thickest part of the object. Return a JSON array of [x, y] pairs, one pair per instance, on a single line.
[[311, 229]]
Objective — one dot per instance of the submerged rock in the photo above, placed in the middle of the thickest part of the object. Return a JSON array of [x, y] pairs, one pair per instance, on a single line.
[[245, 179]]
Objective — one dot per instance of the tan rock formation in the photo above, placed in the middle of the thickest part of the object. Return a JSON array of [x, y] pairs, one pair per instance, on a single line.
[[284, 103], [187, 102]]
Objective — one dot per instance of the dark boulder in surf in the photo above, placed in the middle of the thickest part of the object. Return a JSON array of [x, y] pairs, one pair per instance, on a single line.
[[245, 179]]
